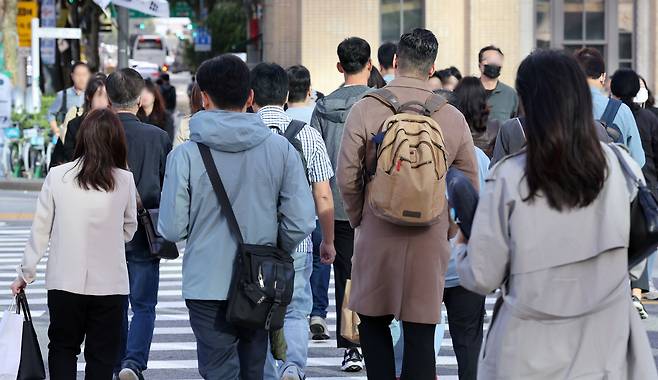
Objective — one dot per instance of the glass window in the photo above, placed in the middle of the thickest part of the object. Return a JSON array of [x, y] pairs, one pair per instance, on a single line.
[[400, 16], [626, 24], [543, 24], [595, 20], [573, 19]]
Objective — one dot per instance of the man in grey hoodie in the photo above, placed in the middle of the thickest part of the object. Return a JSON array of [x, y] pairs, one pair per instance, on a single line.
[[329, 119], [265, 181]]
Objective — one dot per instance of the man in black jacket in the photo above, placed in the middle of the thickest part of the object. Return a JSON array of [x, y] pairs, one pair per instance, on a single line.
[[148, 147]]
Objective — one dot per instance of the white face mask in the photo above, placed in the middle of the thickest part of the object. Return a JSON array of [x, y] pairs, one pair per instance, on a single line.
[[642, 96]]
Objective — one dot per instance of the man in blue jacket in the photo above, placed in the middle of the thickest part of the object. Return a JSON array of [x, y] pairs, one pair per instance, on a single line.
[[593, 65], [266, 184]]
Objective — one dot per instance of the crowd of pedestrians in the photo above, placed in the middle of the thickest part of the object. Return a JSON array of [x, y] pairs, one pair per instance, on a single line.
[[264, 160]]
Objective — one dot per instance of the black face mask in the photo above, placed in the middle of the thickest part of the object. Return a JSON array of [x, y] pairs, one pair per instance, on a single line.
[[491, 71]]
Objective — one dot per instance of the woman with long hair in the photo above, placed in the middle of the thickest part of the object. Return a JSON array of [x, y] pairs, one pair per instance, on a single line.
[[552, 231], [627, 86], [470, 98], [152, 109], [85, 213], [95, 98]]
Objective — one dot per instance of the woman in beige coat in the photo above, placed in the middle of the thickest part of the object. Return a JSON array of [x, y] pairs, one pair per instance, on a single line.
[[85, 213], [552, 230]]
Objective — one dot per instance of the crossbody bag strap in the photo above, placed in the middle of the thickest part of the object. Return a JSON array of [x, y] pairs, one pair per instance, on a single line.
[[220, 191], [624, 165]]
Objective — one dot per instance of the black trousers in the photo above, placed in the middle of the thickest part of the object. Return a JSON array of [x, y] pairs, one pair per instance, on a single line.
[[419, 359], [94, 319], [466, 319], [344, 243]]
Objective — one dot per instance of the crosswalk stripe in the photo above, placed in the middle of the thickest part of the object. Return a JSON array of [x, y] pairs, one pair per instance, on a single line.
[[172, 332]]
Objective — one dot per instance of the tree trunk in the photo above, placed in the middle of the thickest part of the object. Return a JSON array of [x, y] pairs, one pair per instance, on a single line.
[[10, 38]]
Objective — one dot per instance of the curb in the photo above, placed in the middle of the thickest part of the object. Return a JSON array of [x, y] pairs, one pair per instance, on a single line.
[[21, 184]]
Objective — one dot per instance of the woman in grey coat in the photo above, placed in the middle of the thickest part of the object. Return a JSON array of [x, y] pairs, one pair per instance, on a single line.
[[552, 232]]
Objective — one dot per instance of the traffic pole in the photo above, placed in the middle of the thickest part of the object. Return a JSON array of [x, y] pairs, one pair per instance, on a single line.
[[123, 36]]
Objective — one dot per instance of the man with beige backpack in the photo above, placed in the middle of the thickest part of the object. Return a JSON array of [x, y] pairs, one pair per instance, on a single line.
[[396, 150]]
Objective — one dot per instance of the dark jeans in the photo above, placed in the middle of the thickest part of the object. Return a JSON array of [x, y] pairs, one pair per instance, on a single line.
[[76, 317], [226, 351], [319, 277], [466, 320], [419, 359], [344, 242], [136, 337]]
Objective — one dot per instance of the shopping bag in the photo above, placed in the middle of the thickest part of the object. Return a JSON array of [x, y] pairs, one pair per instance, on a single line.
[[31, 367], [11, 333], [349, 328]]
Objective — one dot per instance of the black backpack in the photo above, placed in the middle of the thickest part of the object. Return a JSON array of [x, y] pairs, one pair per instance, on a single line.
[[607, 121], [290, 134]]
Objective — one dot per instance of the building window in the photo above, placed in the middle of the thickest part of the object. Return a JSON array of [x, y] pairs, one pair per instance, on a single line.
[[626, 25], [400, 16], [607, 25]]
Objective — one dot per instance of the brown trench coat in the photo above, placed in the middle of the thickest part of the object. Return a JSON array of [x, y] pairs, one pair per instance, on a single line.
[[397, 270]]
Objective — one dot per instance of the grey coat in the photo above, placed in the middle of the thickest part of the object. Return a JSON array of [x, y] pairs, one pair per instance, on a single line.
[[567, 311]]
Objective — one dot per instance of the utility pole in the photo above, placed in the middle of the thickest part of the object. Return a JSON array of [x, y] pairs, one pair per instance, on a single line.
[[123, 36]]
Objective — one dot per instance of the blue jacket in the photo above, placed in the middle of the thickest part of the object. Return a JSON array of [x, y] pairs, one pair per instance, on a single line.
[[624, 120], [264, 178]]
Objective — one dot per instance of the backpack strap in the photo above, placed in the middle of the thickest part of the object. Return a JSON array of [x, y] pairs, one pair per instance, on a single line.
[[610, 112], [220, 191], [293, 129], [387, 98]]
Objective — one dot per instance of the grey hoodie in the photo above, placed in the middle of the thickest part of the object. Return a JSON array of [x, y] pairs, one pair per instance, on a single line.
[[265, 181], [329, 118]]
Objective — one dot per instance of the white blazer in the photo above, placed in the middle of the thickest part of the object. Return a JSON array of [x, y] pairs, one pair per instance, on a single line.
[[87, 231]]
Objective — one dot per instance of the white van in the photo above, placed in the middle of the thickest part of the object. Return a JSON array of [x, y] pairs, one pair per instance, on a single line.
[[151, 48]]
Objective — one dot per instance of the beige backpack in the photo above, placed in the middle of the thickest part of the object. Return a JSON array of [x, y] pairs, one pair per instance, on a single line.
[[408, 186]]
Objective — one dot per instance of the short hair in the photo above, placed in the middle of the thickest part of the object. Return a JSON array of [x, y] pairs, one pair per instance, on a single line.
[[444, 75], [455, 72], [299, 82], [124, 88], [270, 84], [79, 64], [226, 81], [164, 76], [353, 54], [385, 55], [591, 61], [417, 51], [625, 85], [486, 49]]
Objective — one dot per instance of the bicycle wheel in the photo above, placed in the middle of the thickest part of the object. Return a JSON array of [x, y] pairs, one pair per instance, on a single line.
[[15, 161], [36, 163]]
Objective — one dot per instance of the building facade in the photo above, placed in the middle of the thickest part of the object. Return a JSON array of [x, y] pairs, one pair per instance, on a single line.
[[308, 31]]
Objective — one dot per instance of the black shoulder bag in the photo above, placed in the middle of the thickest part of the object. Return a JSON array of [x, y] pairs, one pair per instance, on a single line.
[[644, 217], [263, 276], [158, 246]]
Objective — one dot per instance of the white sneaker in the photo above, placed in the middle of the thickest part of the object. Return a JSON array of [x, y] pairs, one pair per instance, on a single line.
[[652, 294], [319, 329], [292, 373], [352, 360]]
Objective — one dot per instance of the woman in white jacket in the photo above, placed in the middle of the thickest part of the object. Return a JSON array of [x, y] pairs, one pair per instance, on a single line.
[[85, 213]]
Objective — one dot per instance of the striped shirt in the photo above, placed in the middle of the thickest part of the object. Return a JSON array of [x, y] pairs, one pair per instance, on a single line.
[[315, 152]]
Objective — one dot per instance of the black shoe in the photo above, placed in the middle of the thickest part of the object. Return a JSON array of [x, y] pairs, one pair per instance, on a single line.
[[352, 360]]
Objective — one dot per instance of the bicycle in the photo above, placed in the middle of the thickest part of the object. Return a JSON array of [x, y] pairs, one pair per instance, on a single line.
[[12, 151]]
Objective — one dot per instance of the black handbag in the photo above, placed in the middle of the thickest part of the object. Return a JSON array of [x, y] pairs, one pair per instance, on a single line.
[[158, 246], [263, 276], [31, 367], [644, 217]]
